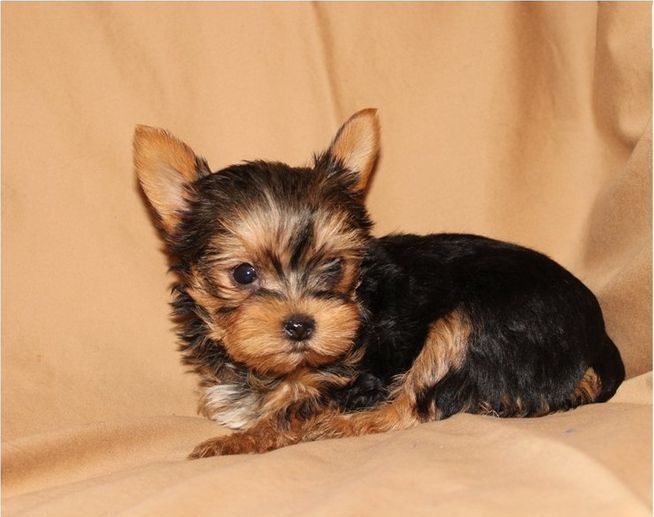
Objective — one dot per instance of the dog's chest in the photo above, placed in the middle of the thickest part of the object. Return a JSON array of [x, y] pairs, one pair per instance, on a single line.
[[239, 406], [231, 405]]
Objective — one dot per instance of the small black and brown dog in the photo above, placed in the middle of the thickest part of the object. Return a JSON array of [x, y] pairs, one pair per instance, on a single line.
[[303, 326]]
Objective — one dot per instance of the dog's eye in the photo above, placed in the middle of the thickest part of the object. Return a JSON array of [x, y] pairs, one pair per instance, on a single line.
[[244, 273], [333, 267]]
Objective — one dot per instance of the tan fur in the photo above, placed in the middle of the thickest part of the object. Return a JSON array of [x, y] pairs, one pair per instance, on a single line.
[[356, 144], [254, 334], [588, 388], [164, 165], [444, 350], [301, 385]]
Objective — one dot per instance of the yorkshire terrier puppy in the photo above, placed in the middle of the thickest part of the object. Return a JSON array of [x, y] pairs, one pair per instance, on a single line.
[[303, 326]]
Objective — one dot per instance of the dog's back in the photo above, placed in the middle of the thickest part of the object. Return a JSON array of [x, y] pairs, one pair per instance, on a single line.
[[536, 340]]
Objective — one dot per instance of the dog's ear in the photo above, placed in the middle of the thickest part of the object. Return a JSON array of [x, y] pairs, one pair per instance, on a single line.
[[166, 167], [356, 147]]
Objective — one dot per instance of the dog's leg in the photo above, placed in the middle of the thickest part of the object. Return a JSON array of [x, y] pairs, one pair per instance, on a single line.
[[443, 350], [263, 437]]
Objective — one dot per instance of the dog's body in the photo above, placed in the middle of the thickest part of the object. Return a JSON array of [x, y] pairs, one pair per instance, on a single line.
[[303, 326]]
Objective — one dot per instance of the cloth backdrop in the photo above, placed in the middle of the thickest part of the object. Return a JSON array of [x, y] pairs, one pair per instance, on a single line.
[[525, 122]]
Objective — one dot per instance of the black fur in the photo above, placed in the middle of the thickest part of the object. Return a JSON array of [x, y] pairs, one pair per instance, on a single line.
[[536, 328]]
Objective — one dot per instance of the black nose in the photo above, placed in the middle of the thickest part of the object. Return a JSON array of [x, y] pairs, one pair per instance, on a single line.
[[299, 327]]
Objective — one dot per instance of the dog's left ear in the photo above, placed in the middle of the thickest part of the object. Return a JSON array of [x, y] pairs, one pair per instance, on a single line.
[[356, 147]]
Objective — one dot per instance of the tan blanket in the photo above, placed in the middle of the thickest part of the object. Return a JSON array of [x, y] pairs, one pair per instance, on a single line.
[[526, 122]]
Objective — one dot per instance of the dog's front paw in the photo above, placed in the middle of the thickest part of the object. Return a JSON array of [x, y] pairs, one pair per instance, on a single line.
[[237, 443], [212, 447]]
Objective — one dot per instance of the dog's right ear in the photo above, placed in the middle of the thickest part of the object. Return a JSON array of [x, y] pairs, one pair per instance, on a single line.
[[166, 167]]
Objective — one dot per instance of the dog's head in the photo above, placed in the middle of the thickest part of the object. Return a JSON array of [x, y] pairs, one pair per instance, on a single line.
[[269, 253]]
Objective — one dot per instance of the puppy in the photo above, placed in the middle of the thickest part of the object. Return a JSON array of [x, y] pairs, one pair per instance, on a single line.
[[301, 325]]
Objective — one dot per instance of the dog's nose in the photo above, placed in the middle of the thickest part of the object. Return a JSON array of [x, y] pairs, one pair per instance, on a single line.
[[299, 327]]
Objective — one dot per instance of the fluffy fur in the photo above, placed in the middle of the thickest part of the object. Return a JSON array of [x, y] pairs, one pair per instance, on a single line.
[[400, 330]]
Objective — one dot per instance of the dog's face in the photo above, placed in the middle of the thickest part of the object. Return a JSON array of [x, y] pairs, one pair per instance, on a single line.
[[269, 253]]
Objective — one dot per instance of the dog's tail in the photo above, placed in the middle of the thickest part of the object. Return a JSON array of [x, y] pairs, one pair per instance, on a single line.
[[609, 368]]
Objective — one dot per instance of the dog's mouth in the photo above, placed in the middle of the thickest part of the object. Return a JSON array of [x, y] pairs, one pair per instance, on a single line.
[[300, 354], [313, 358], [305, 352], [300, 347]]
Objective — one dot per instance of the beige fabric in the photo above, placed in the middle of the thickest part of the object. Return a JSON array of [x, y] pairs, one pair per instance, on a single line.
[[526, 122]]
